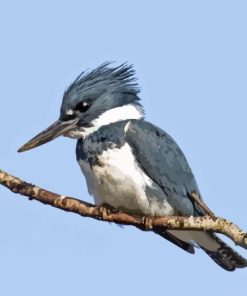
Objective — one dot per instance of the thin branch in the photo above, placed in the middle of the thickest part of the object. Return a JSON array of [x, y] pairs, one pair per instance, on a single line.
[[205, 223]]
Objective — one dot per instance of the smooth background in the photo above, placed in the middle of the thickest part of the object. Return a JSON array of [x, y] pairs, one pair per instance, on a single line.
[[190, 60]]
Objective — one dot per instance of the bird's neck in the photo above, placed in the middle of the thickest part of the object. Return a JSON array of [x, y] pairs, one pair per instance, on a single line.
[[125, 112]]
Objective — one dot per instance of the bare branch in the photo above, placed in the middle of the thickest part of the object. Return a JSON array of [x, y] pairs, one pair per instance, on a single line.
[[206, 223]]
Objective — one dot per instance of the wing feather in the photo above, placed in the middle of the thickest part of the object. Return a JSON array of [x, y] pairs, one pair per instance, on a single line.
[[164, 162]]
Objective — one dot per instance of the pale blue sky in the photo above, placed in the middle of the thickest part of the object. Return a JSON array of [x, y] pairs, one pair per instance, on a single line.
[[190, 60]]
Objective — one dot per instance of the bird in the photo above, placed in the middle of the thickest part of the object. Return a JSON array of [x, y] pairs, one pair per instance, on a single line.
[[129, 163]]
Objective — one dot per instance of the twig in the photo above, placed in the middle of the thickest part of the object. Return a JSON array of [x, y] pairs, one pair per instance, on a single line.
[[206, 223]]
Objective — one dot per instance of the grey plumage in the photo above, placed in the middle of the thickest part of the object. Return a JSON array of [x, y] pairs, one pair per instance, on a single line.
[[107, 87], [115, 79], [128, 162], [167, 167]]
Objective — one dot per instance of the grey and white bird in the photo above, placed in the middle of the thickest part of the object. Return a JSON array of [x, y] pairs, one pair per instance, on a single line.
[[129, 163]]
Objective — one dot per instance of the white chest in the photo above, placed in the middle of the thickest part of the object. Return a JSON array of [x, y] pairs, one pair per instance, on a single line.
[[118, 181]]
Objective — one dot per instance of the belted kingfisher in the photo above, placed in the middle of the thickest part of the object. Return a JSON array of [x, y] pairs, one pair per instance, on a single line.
[[129, 163]]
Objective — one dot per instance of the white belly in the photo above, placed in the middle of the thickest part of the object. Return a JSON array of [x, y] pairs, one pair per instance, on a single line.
[[118, 181]]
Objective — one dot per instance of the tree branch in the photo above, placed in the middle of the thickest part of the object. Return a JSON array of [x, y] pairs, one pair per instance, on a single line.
[[205, 223]]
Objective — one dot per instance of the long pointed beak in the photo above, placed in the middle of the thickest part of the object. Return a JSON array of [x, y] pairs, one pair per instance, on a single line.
[[55, 130]]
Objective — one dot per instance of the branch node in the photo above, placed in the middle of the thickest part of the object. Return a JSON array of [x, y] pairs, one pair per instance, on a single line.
[[61, 200]]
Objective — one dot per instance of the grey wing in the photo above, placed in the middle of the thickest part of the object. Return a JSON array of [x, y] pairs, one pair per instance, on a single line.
[[164, 162]]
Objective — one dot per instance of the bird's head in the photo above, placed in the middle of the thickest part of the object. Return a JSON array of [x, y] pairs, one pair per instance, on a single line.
[[96, 98]]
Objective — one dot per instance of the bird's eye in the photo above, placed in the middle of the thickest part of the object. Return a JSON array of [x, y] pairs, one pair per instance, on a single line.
[[84, 105]]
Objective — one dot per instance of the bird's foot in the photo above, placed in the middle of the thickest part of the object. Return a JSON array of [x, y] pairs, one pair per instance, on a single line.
[[106, 210], [147, 222]]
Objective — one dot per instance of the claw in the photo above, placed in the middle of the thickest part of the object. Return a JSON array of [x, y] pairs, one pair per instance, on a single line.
[[106, 210], [147, 222]]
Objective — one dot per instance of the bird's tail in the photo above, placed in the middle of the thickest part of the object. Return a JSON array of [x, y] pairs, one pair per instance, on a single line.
[[219, 251], [212, 245]]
